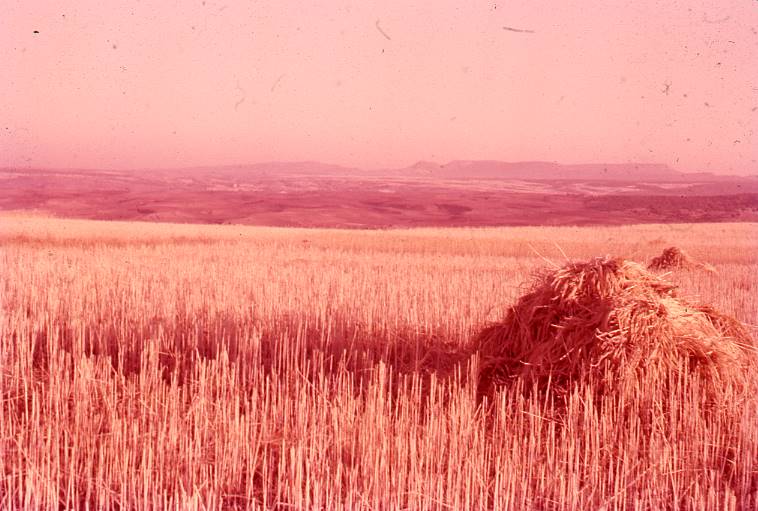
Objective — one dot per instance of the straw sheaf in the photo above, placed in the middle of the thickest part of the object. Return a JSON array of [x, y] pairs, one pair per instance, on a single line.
[[673, 258], [613, 323]]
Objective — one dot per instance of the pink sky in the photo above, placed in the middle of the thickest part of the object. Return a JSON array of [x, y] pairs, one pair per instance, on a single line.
[[379, 84]]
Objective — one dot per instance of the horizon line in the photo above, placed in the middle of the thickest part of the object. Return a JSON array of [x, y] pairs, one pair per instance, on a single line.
[[372, 169]]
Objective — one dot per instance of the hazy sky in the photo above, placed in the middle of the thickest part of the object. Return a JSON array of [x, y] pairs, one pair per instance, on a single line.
[[378, 84]]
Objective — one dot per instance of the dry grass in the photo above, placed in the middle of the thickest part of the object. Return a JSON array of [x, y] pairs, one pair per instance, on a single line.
[[151, 366]]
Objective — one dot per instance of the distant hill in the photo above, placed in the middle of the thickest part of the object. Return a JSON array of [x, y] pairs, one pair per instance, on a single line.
[[458, 170], [542, 170], [269, 169]]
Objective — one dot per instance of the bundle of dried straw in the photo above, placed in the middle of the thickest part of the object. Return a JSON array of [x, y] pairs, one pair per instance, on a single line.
[[673, 258], [612, 323]]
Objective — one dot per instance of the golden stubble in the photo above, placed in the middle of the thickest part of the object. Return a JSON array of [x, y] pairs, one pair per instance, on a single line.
[[152, 366]]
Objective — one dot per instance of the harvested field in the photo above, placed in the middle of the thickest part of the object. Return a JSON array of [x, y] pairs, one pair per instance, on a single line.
[[149, 366]]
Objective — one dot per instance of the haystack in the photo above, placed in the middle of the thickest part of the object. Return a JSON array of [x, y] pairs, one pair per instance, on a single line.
[[612, 323], [673, 258]]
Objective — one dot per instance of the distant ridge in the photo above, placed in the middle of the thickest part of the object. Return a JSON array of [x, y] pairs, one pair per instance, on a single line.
[[311, 168], [432, 171], [541, 170], [477, 169]]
